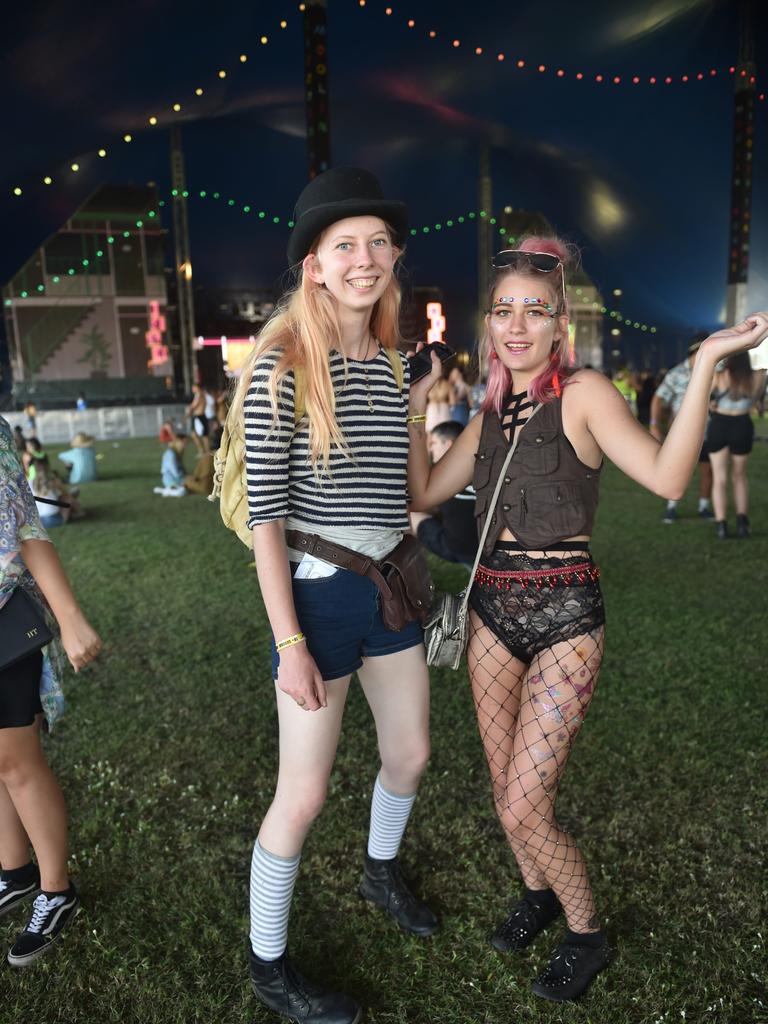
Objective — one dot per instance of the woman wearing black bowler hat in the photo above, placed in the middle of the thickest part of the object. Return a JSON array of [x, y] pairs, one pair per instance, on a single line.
[[323, 402]]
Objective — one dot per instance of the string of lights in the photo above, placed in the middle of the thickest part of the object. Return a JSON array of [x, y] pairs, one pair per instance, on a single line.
[[262, 216], [166, 114], [561, 73]]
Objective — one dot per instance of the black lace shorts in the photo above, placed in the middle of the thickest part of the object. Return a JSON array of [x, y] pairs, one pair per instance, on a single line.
[[530, 604]]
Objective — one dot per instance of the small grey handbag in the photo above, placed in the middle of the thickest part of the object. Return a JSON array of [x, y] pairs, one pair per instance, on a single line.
[[445, 627]]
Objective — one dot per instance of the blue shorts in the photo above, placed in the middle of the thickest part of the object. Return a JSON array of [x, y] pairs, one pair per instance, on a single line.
[[341, 619]]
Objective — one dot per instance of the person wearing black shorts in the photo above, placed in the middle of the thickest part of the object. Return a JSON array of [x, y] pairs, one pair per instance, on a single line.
[[32, 810], [730, 435]]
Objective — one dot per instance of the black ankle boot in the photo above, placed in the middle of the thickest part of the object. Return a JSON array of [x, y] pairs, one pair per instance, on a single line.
[[278, 985], [528, 917], [721, 529], [572, 968], [742, 526], [383, 884]]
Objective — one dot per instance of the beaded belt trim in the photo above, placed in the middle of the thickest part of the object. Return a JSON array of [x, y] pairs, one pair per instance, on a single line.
[[502, 579]]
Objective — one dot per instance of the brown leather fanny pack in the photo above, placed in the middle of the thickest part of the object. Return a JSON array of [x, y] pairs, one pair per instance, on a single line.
[[402, 577]]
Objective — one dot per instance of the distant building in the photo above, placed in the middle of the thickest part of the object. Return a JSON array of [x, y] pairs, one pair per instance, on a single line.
[[225, 320], [86, 312]]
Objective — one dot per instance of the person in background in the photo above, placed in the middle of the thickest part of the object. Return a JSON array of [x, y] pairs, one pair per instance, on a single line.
[[459, 396], [80, 459], [81, 405], [666, 403], [196, 411], [47, 487], [731, 432], [452, 533], [30, 419], [646, 388], [438, 404], [33, 452], [200, 480], [172, 468], [19, 441], [623, 383], [32, 810]]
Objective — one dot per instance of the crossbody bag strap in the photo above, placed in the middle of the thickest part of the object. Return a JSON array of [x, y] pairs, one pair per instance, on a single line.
[[491, 510]]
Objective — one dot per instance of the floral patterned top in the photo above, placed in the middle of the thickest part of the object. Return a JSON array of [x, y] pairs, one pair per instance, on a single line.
[[19, 521]]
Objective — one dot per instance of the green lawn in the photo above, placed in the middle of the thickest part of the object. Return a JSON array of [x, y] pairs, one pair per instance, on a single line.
[[167, 757]]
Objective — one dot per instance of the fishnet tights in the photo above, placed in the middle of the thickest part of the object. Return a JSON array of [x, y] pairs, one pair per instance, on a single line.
[[529, 717]]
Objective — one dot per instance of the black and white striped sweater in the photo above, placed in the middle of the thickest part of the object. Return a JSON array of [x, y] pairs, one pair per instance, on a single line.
[[366, 487]]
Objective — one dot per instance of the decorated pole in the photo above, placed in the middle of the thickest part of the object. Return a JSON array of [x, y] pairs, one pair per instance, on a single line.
[[316, 87], [741, 174], [184, 294]]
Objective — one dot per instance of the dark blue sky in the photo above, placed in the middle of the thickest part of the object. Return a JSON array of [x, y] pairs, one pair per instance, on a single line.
[[638, 176]]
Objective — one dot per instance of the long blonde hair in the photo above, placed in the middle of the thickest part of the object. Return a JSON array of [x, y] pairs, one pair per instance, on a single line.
[[305, 326]]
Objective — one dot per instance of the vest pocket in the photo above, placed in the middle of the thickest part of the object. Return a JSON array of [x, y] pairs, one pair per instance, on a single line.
[[538, 451], [483, 468], [559, 505]]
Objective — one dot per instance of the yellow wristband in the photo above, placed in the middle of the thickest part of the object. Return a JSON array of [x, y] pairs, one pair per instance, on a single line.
[[421, 418], [297, 638]]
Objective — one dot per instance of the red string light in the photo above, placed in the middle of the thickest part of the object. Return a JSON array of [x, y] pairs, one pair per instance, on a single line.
[[580, 76]]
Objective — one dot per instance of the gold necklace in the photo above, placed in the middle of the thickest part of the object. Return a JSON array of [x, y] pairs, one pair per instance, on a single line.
[[364, 365]]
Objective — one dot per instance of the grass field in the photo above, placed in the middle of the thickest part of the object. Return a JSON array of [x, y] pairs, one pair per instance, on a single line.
[[168, 758]]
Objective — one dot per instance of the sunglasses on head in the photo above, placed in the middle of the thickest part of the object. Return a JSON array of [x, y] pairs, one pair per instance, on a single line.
[[543, 262]]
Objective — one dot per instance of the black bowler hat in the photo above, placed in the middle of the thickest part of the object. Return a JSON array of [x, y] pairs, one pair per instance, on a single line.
[[336, 194]]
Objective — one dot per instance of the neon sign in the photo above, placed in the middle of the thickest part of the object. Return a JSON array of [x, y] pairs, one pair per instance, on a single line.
[[154, 336], [437, 322]]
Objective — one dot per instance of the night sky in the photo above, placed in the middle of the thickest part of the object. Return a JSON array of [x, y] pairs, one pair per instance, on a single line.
[[637, 175]]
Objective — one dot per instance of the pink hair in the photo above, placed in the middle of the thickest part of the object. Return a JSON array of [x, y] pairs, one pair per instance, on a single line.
[[546, 386]]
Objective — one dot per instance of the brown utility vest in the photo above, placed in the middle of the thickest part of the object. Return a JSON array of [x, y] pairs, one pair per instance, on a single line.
[[548, 494]]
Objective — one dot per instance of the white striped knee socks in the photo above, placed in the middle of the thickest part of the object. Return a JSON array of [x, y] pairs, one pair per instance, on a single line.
[[272, 882], [389, 816]]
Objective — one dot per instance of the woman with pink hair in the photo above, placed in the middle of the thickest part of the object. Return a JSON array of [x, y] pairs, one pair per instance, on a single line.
[[536, 621]]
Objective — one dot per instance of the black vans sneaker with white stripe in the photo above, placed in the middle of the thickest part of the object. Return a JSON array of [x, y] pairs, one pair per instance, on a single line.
[[50, 915], [13, 892]]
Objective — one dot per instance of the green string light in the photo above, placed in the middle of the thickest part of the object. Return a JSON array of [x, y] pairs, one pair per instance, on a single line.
[[414, 232]]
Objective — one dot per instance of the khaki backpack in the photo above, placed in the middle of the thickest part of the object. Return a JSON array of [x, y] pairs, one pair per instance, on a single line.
[[229, 482]]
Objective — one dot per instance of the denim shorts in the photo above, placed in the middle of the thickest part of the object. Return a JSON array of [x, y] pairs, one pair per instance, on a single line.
[[341, 618]]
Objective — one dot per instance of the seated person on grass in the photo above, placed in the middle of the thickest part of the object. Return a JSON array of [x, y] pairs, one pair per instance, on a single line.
[[200, 481], [172, 469], [80, 460], [452, 533]]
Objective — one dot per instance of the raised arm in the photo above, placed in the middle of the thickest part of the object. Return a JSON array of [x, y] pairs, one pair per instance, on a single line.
[[664, 469]]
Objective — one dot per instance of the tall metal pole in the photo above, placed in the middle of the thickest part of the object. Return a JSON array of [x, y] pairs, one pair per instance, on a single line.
[[316, 87], [741, 174], [186, 308], [484, 230]]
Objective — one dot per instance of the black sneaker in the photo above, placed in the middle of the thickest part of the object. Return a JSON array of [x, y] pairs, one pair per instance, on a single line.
[[570, 971], [527, 919], [670, 515], [278, 985], [49, 918], [12, 892], [742, 526], [385, 885], [721, 529]]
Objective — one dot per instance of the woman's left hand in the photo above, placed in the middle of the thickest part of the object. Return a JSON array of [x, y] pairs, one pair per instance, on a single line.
[[746, 335]]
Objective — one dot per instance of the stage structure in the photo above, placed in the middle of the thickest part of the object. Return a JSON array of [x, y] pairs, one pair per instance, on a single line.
[[86, 312], [185, 300]]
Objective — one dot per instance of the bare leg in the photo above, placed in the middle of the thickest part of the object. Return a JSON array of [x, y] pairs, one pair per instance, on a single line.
[[14, 841], [740, 484], [719, 464], [705, 480], [38, 801], [396, 687], [308, 742]]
